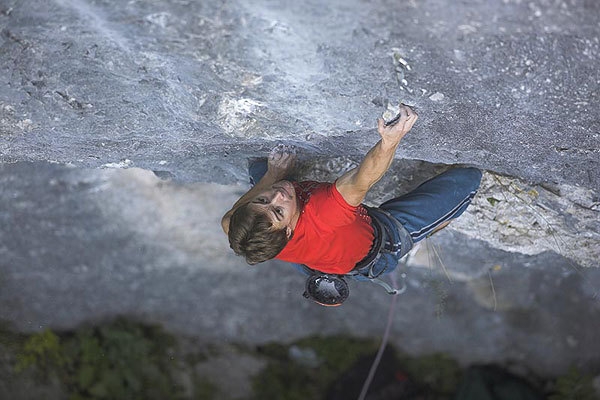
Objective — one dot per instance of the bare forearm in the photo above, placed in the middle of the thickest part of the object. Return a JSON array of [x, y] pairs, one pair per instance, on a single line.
[[375, 164], [354, 184]]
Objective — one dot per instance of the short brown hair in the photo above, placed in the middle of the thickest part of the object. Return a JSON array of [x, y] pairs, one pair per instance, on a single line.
[[251, 235]]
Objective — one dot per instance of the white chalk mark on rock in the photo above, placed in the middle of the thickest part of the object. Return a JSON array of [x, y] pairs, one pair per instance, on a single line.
[[437, 96], [236, 115], [121, 164]]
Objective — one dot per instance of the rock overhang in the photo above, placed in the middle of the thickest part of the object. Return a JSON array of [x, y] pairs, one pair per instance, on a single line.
[[194, 89]]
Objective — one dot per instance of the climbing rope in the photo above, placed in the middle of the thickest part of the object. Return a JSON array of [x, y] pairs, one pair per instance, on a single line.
[[386, 334]]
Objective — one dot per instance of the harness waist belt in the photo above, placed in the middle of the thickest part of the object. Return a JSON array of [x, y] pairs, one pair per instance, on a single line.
[[384, 240]]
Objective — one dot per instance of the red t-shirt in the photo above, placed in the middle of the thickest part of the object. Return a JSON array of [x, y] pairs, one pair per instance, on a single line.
[[331, 236]]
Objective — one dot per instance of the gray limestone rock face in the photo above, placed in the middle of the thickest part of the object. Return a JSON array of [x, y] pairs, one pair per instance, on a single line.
[[193, 88]]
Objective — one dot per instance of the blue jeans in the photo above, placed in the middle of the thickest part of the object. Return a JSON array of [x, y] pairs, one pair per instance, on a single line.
[[422, 211], [434, 202]]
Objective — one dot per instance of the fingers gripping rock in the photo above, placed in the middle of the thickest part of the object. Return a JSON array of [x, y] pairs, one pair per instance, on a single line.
[[282, 149]]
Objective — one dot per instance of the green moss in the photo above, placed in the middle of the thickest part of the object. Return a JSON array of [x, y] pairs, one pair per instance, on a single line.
[[10, 339], [287, 381], [339, 352], [208, 351], [134, 361], [286, 378], [204, 389], [439, 373], [42, 350], [121, 360], [493, 201], [574, 386]]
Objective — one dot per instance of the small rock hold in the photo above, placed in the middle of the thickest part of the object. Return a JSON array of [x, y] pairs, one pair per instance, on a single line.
[[25, 124], [437, 96], [390, 113]]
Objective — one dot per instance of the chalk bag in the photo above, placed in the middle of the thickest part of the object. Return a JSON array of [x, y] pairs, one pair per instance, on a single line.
[[326, 290]]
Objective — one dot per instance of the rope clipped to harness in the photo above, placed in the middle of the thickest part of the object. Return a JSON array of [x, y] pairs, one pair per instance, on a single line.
[[388, 288]]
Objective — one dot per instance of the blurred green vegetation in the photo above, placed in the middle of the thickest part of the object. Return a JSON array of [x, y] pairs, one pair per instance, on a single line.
[[306, 377], [120, 360], [437, 372], [574, 385], [128, 360], [42, 350], [286, 378]]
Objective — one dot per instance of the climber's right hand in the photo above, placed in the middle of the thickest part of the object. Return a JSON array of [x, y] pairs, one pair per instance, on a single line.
[[393, 134]]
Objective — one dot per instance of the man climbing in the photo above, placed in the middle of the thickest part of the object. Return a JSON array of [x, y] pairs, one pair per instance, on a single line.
[[325, 228]]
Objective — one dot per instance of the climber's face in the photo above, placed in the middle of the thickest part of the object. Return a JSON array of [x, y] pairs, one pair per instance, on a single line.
[[280, 204]]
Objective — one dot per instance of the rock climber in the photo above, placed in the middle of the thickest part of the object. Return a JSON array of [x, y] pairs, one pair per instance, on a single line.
[[326, 230]]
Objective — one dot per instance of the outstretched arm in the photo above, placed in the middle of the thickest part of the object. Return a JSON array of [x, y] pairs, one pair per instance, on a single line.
[[281, 162], [354, 184]]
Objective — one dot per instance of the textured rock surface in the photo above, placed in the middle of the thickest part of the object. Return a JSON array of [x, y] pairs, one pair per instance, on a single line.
[[190, 90], [515, 216]]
